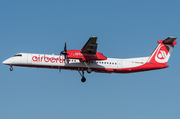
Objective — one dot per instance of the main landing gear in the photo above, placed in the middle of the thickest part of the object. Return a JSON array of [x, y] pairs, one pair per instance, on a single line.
[[89, 70], [83, 78], [82, 74]]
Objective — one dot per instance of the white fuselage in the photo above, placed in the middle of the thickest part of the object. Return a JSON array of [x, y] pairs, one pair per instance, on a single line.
[[58, 62]]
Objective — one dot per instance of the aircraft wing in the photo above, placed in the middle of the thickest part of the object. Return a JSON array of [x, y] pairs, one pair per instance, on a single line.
[[90, 46]]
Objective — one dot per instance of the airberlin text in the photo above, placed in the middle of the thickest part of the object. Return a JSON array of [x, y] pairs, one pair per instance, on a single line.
[[45, 58]]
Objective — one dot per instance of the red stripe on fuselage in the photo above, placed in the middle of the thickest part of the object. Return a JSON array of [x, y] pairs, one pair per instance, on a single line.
[[144, 67]]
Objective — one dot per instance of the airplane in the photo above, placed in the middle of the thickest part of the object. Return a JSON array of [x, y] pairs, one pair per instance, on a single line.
[[88, 59]]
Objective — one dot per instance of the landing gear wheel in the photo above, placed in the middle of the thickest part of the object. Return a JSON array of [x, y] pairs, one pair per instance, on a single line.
[[89, 70], [83, 79], [11, 69]]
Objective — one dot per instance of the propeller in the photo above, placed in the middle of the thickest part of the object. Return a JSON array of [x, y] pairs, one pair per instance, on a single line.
[[65, 51]]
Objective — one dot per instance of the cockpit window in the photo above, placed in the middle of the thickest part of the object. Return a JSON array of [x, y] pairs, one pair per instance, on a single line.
[[18, 55]]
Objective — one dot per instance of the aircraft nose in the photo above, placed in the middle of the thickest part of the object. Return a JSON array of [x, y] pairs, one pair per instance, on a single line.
[[6, 61]]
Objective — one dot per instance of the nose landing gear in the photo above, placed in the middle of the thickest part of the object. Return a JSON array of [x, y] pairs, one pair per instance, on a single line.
[[11, 69]]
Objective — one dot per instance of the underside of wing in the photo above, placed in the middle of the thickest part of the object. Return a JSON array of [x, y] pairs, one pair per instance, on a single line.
[[90, 46]]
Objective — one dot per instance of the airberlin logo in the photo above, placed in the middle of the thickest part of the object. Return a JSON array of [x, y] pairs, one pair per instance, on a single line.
[[45, 58], [163, 53]]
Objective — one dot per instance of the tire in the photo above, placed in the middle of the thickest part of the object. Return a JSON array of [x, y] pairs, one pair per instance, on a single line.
[[83, 79], [89, 70], [11, 69]]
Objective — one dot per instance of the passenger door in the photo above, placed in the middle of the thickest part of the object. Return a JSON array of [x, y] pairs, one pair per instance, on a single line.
[[29, 58], [119, 65]]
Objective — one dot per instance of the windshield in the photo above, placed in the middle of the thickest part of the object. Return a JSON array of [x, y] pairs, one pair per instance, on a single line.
[[18, 55]]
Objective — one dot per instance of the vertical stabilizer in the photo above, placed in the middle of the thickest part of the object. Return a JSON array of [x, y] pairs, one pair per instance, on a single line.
[[163, 51]]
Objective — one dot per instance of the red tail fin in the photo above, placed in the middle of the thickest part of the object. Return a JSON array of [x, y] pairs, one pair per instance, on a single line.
[[163, 51]]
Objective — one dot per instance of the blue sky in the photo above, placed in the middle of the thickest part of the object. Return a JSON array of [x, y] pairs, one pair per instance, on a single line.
[[124, 29]]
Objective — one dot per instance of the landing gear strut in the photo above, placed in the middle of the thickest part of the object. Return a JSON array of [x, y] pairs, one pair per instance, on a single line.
[[11, 69], [89, 69], [83, 78]]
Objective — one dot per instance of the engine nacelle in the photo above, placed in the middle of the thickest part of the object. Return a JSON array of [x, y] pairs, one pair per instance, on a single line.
[[77, 54]]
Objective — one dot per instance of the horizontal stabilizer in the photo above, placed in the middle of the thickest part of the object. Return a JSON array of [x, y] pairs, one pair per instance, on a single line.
[[169, 40]]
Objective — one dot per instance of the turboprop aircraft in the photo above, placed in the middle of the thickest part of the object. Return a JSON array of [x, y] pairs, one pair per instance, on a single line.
[[88, 59]]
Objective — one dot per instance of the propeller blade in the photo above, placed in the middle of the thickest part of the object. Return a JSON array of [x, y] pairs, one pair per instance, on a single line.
[[65, 51]]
